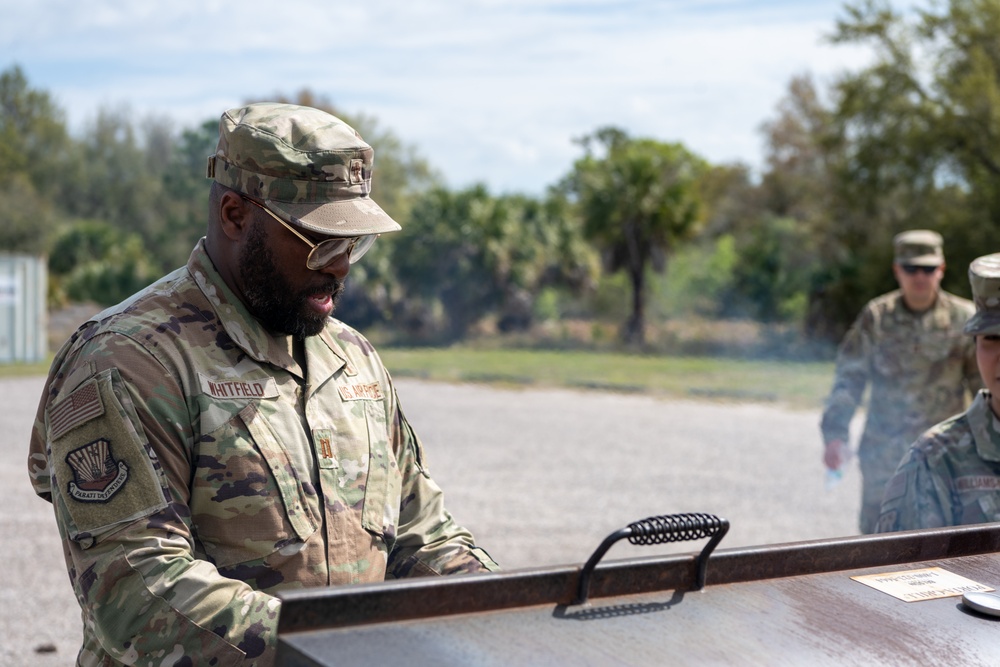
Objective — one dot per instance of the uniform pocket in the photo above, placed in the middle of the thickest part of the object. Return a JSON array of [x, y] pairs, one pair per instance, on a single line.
[[247, 501], [365, 468]]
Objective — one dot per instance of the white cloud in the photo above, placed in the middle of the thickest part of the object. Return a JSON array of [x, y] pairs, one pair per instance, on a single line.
[[488, 90]]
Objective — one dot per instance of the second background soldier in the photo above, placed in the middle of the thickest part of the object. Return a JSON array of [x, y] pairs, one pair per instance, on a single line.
[[908, 347]]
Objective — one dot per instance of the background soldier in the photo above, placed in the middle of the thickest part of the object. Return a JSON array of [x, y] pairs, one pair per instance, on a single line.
[[908, 346], [218, 437], [951, 474]]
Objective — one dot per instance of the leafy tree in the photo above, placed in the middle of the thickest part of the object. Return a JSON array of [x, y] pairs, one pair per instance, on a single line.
[[33, 137], [185, 189], [804, 228], [770, 282], [28, 218], [112, 177], [910, 141], [637, 198], [443, 256], [33, 144], [698, 279], [93, 261], [476, 255]]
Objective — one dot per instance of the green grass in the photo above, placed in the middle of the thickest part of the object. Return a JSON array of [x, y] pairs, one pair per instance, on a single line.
[[796, 384], [802, 385], [24, 370]]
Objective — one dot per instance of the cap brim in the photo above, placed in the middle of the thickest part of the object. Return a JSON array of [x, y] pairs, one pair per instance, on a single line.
[[348, 217], [922, 260], [983, 322]]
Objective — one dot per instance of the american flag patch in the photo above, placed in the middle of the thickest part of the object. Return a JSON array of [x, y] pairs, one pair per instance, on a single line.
[[81, 406]]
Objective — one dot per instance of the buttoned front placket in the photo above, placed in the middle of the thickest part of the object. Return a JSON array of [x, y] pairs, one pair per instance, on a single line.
[[341, 444]]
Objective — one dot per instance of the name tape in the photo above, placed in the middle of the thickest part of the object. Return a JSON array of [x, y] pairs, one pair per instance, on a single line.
[[239, 388]]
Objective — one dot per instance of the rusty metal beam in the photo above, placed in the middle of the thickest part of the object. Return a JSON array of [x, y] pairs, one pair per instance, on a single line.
[[325, 608]]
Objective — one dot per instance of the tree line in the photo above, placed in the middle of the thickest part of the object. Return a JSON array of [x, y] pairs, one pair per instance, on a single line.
[[636, 231]]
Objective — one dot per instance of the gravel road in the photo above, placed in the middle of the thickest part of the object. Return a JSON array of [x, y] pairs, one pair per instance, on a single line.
[[539, 476]]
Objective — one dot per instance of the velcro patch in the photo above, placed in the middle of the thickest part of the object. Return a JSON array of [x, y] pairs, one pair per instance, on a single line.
[[103, 473], [238, 388], [78, 408], [361, 392]]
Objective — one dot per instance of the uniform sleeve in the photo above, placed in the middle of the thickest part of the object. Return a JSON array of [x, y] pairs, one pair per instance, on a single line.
[[118, 452], [916, 496], [852, 375], [428, 540]]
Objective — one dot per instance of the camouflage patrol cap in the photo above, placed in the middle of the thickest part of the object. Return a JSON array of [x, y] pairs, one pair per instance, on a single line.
[[984, 276], [308, 166], [918, 247]]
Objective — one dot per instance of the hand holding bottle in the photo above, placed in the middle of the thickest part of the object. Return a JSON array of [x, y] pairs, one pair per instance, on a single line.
[[835, 456]]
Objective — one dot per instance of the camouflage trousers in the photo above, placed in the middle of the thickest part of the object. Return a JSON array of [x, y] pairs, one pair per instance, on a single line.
[[872, 486], [878, 463]]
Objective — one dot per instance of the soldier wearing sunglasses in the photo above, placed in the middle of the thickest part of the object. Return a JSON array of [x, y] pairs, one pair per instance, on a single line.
[[219, 437], [951, 475], [908, 349]]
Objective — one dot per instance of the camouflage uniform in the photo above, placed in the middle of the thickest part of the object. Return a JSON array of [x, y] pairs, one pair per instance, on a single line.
[[950, 476], [919, 368], [196, 468]]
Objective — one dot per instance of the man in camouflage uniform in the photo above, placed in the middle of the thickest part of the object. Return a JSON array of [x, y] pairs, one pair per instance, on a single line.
[[951, 474], [218, 437], [908, 346]]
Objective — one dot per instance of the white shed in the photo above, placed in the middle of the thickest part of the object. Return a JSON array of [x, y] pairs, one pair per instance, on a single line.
[[23, 280]]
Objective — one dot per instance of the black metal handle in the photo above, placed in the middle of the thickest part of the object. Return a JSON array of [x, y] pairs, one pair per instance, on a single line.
[[661, 530]]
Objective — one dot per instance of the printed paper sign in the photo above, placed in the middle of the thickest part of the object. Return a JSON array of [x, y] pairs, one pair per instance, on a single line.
[[925, 584]]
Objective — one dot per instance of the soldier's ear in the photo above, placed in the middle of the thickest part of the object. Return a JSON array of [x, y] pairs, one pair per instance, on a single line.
[[234, 215]]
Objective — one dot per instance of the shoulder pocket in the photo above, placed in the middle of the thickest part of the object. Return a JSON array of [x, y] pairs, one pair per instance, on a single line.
[[103, 472]]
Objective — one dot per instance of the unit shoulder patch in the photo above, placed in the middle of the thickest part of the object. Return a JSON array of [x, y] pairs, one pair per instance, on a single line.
[[96, 474]]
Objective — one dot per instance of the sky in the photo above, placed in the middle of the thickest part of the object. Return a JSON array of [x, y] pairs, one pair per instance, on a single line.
[[488, 91]]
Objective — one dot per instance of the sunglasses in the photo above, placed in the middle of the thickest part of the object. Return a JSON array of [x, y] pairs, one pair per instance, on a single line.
[[324, 253], [911, 270]]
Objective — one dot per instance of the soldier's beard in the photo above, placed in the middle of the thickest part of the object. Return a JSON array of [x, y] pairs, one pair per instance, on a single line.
[[270, 297]]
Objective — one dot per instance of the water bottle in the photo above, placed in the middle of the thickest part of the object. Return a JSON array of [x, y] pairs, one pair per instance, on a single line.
[[834, 476]]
